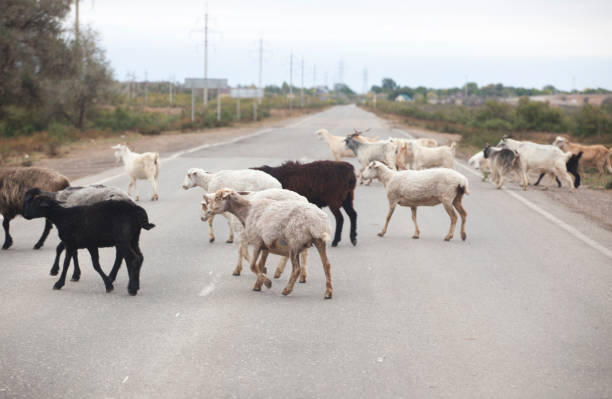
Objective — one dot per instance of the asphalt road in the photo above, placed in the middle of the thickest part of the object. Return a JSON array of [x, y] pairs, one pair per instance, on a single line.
[[522, 309]]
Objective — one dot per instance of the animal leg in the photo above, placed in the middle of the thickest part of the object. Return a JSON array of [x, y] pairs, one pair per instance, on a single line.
[[230, 239], [339, 223], [261, 265], [281, 267], [352, 214], [95, 260], [76, 273], [389, 214], [417, 232], [303, 271], [134, 187], [459, 206], [113, 274], [62, 280], [132, 264], [58, 252], [243, 251], [500, 182], [453, 218], [320, 245], [211, 233], [45, 234], [295, 272], [261, 278], [153, 181], [8, 240]]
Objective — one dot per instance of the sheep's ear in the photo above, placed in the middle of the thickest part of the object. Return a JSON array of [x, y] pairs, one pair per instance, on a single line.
[[244, 192]]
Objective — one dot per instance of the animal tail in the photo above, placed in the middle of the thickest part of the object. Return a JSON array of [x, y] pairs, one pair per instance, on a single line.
[[326, 237], [453, 147], [463, 189], [608, 165], [143, 218], [157, 163]]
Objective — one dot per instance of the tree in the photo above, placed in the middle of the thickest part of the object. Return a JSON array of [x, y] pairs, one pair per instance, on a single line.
[[344, 89], [388, 84]]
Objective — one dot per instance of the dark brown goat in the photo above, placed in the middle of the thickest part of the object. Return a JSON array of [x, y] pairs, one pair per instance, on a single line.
[[14, 183], [323, 183]]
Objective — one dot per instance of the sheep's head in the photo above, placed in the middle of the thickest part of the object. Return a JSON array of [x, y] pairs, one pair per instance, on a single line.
[[221, 200], [371, 171], [36, 204], [320, 133], [191, 178], [206, 212], [561, 142]]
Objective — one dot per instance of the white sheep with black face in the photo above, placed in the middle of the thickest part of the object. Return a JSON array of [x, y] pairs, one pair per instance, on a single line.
[[238, 179], [416, 188], [143, 166], [284, 228]]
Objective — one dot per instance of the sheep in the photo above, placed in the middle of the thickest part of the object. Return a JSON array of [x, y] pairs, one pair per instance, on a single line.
[[284, 228], [323, 183], [383, 151], [103, 224], [277, 194], [143, 166], [425, 157], [404, 153], [539, 158], [337, 145], [74, 196], [597, 156], [240, 179], [572, 166], [416, 188], [478, 161], [502, 161], [14, 182]]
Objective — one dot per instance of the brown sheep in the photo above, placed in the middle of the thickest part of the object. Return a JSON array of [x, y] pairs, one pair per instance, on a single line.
[[14, 183], [597, 155]]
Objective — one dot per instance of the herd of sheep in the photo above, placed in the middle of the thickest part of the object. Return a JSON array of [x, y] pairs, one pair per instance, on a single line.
[[277, 210]]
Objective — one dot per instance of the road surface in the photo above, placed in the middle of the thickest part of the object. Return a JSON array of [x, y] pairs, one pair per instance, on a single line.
[[522, 309]]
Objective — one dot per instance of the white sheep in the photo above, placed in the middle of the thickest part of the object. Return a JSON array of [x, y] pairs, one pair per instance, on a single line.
[[338, 146], [276, 194], [143, 166], [541, 158], [284, 228], [416, 188], [383, 151], [404, 153], [239, 179], [425, 157]]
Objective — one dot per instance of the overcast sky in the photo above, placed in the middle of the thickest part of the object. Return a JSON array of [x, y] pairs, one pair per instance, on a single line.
[[435, 43]]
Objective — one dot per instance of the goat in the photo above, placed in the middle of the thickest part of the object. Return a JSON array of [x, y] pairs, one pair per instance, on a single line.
[[74, 196], [14, 183], [284, 228], [383, 151], [478, 161], [103, 224], [597, 156], [143, 166], [404, 153], [240, 179], [338, 146], [540, 158], [323, 183], [276, 194], [425, 157], [416, 188], [502, 161], [572, 166]]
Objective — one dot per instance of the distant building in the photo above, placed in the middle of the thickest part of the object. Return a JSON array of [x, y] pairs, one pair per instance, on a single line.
[[403, 98]]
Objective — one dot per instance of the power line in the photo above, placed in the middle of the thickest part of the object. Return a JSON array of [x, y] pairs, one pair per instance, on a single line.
[[206, 56]]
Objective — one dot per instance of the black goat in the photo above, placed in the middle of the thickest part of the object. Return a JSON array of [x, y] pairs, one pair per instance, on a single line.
[[572, 167], [103, 224], [323, 183]]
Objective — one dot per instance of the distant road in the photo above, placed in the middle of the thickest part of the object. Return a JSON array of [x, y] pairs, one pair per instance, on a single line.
[[522, 309]]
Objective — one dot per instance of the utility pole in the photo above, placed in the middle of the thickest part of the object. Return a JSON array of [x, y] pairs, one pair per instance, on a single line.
[[465, 93], [170, 90], [76, 23], [238, 106], [302, 84], [146, 88], [314, 76], [260, 61], [291, 81], [206, 57]]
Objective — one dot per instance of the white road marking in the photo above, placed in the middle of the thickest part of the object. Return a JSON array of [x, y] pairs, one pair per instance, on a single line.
[[210, 287], [125, 379], [571, 230]]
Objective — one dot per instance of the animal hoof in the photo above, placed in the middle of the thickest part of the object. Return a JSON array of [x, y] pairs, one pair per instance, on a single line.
[[380, 234], [131, 291], [7, 244], [109, 288], [53, 272], [302, 280], [265, 270], [447, 238], [268, 283], [334, 244], [354, 241], [211, 239], [230, 241], [75, 278], [58, 286], [38, 245], [328, 295], [277, 275], [286, 291], [235, 273], [463, 236], [415, 237], [154, 198], [256, 288], [137, 198]]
